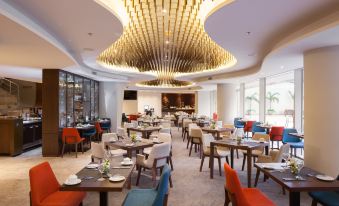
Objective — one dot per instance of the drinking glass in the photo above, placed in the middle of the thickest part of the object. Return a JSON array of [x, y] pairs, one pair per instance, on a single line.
[[285, 157], [101, 171], [300, 165]]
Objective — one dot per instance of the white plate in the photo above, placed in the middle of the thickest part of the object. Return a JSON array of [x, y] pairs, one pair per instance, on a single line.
[[75, 183], [126, 163], [325, 178], [116, 178], [92, 166]]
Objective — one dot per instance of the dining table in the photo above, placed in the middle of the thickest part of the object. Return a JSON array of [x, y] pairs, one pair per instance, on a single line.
[[232, 144], [308, 183], [154, 123], [299, 135], [216, 131], [145, 131], [130, 146], [92, 181]]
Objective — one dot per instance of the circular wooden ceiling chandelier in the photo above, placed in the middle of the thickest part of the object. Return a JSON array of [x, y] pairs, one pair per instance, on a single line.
[[165, 38]]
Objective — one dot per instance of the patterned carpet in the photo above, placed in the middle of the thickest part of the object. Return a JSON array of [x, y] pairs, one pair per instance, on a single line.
[[191, 187]]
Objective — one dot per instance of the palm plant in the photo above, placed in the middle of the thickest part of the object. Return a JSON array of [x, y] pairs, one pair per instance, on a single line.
[[272, 97], [253, 97]]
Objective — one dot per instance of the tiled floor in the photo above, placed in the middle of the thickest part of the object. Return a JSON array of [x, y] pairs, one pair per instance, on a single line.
[[191, 187]]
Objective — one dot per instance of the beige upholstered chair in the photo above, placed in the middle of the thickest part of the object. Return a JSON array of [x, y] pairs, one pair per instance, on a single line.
[[162, 137], [121, 132], [227, 134], [158, 157], [98, 152], [196, 140], [185, 123], [219, 152], [273, 157], [257, 152], [109, 137], [190, 126]]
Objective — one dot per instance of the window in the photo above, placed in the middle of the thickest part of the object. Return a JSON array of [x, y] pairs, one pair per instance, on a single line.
[[280, 100], [251, 101]]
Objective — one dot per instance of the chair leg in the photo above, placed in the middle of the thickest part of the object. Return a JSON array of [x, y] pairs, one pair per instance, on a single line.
[[82, 147], [200, 151], [283, 190], [171, 163], [202, 162], [190, 149], [154, 176], [227, 160], [139, 173], [237, 153], [188, 141], [243, 162], [257, 178], [219, 162], [227, 198], [170, 180], [195, 148], [314, 203], [278, 144], [76, 150], [63, 150]]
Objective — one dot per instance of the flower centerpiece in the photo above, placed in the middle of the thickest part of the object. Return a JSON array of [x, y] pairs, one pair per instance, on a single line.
[[295, 166], [106, 165], [134, 137], [212, 125]]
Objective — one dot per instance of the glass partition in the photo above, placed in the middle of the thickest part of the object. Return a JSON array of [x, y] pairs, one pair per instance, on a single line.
[[251, 99], [280, 100]]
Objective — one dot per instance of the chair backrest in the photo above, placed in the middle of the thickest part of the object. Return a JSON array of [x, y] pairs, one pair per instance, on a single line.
[[165, 130], [233, 186], [277, 131], [43, 182], [109, 137], [70, 135], [258, 136], [206, 140], [159, 151], [162, 188], [289, 138], [255, 128], [165, 137], [190, 126], [128, 125], [97, 150], [248, 126], [283, 149], [196, 132], [98, 127], [121, 132], [186, 122], [134, 123], [237, 122]]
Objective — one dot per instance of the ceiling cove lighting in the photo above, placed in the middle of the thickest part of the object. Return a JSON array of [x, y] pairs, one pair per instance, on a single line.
[[165, 38]]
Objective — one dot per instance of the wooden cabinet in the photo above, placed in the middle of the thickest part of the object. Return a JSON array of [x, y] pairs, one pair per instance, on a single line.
[[11, 136], [67, 99], [32, 134]]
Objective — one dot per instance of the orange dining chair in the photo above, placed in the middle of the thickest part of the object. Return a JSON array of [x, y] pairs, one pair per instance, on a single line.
[[242, 196], [45, 189], [99, 131], [276, 134], [70, 136]]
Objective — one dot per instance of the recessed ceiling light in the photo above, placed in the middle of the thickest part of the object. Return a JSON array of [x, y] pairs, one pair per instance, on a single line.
[[252, 54], [167, 42], [90, 33], [164, 11], [282, 66], [248, 33]]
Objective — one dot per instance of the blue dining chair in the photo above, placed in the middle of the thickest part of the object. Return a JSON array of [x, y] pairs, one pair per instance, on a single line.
[[256, 129], [89, 135], [325, 198], [238, 124], [150, 197], [106, 126], [294, 142]]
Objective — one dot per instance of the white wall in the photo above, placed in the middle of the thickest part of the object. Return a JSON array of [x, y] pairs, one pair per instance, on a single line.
[[321, 74], [226, 105], [151, 98], [206, 102], [130, 106], [111, 96]]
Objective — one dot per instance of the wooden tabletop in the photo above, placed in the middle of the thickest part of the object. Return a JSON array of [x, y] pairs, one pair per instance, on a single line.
[[310, 184], [136, 146], [299, 135], [85, 127], [208, 129], [101, 186], [243, 145], [141, 129]]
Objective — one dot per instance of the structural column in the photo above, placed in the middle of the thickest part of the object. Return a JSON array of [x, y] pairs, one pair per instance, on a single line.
[[262, 99], [111, 96], [321, 73], [298, 98], [226, 102], [242, 100]]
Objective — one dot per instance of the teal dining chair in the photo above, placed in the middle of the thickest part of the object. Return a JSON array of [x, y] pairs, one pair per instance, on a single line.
[[150, 197], [294, 142], [325, 198]]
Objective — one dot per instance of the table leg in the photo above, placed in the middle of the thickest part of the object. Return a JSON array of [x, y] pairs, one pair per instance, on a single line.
[[211, 159], [249, 167], [129, 153], [267, 148], [103, 198], [294, 199], [232, 157], [128, 132], [218, 135]]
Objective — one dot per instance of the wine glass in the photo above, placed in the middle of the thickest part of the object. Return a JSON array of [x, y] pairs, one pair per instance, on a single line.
[[285, 157], [101, 171], [300, 165]]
